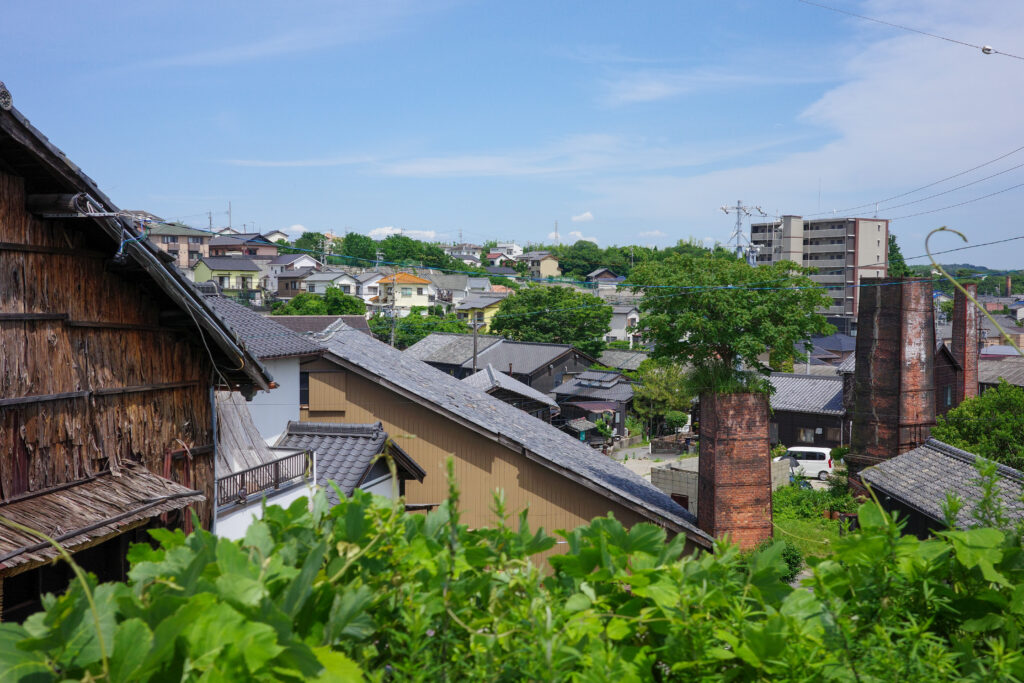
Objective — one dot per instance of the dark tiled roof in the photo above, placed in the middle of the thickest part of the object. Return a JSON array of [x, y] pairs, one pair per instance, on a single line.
[[922, 477], [240, 238], [848, 365], [546, 444], [1010, 369], [364, 277], [581, 425], [595, 273], [480, 300], [479, 283], [524, 357], [489, 378], [319, 323], [581, 387], [174, 229], [228, 263], [622, 360], [260, 335], [344, 453], [285, 259], [500, 270], [819, 394], [836, 342], [449, 349]]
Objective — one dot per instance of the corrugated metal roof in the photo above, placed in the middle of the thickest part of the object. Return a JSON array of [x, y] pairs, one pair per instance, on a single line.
[[922, 477], [1011, 369], [548, 445], [489, 378], [818, 394]]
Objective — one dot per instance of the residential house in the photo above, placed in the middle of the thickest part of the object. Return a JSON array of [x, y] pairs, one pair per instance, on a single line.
[[480, 309], [187, 245], [584, 430], [242, 244], [251, 474], [368, 286], [990, 334], [108, 360], [348, 456], [276, 235], [283, 263], [470, 260], [535, 364], [236, 276], [597, 394], [321, 324], [510, 249], [839, 345], [513, 392], [493, 445], [503, 271], [458, 251], [624, 324], [543, 264], [451, 288], [318, 282], [916, 484], [602, 275], [404, 291], [807, 410], [478, 284], [291, 283], [279, 349]]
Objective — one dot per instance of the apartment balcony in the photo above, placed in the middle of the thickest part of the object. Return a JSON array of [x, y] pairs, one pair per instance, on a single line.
[[838, 249], [825, 263], [829, 279], [824, 234]]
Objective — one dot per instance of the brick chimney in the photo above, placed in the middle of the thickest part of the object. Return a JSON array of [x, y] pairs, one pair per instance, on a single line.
[[965, 344], [894, 387], [734, 486]]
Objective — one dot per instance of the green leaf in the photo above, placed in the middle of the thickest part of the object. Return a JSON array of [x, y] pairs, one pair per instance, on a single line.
[[617, 629], [258, 536], [577, 603], [17, 664], [348, 614], [131, 647], [337, 667], [298, 591]]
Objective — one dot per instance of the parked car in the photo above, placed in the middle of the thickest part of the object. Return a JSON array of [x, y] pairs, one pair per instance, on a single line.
[[814, 462]]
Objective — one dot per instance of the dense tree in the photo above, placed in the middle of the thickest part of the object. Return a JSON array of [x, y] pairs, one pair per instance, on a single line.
[[339, 303], [661, 388], [990, 425], [579, 259], [414, 327], [897, 266], [303, 304], [722, 316], [561, 315], [313, 243], [401, 249], [361, 249]]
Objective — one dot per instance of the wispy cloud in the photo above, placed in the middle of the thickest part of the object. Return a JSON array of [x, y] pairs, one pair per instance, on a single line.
[[381, 233], [584, 217], [653, 85], [576, 236], [300, 163]]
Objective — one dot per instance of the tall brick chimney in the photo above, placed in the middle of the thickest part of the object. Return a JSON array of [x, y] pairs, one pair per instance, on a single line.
[[734, 486], [894, 387], [965, 344]]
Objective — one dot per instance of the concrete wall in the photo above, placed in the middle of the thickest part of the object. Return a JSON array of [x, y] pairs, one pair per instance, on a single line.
[[680, 478], [234, 523], [272, 410]]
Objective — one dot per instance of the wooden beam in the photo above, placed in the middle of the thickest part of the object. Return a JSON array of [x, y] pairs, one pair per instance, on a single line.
[[33, 316], [63, 251]]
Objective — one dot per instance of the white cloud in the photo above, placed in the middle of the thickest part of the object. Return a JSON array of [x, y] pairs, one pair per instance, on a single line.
[[381, 233], [554, 237], [294, 231], [576, 236], [584, 217], [654, 85], [651, 233], [299, 163]]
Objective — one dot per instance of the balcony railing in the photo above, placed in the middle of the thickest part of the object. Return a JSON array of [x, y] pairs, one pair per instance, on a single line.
[[266, 477]]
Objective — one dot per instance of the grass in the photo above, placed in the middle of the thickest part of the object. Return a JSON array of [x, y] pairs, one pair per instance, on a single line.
[[797, 515], [814, 537]]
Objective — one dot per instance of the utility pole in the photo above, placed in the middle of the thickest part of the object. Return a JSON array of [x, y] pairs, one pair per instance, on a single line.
[[391, 314], [476, 326], [209, 215], [229, 214], [557, 240]]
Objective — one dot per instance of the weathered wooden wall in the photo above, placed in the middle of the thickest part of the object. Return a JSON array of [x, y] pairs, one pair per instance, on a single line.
[[99, 378], [481, 465]]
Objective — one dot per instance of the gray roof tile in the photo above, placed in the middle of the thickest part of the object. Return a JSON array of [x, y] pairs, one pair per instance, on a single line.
[[1011, 369], [489, 378], [921, 478], [319, 323], [228, 263], [820, 394], [260, 335], [622, 360], [553, 447]]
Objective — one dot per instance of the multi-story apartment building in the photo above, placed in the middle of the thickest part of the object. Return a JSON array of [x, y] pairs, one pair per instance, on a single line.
[[844, 250], [187, 245]]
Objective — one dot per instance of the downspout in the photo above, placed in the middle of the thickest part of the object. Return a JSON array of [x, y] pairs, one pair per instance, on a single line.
[[216, 475]]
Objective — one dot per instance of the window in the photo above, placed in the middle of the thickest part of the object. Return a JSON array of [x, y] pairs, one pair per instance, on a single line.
[[406, 291], [948, 397], [224, 281], [304, 388], [804, 435], [372, 290], [345, 288], [832, 434], [195, 240], [169, 239], [419, 291], [680, 499], [310, 287], [246, 282], [250, 252], [193, 256]]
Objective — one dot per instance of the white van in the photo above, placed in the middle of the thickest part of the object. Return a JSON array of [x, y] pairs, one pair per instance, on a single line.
[[810, 461]]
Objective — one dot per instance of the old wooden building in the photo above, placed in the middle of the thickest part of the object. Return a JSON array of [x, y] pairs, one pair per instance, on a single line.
[[108, 361]]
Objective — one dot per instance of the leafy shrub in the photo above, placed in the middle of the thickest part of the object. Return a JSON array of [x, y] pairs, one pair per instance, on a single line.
[[791, 555], [674, 419]]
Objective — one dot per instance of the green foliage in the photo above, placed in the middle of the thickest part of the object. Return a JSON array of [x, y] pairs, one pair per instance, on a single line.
[[779, 451], [795, 502], [555, 314], [339, 303], [674, 419], [661, 389], [838, 454], [897, 266], [791, 555], [303, 303], [360, 249], [414, 327], [728, 313], [990, 425], [314, 243], [504, 281], [366, 589], [603, 428]]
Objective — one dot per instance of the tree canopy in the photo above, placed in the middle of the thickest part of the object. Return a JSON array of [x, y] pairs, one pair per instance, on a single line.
[[361, 249], [414, 327], [303, 304], [560, 315], [313, 243], [339, 303], [897, 266], [661, 388], [990, 425], [720, 313]]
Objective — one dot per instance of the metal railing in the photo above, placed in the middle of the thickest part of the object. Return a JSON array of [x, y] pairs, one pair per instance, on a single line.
[[266, 477]]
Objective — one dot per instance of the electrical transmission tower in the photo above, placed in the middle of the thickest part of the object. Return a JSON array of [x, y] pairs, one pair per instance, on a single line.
[[742, 246]]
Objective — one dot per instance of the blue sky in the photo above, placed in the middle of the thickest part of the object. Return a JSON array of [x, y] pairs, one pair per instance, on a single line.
[[623, 122]]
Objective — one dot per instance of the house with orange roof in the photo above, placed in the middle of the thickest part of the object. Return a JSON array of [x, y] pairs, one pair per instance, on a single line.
[[403, 291]]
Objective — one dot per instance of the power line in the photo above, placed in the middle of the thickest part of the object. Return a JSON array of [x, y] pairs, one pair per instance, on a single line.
[[925, 187], [986, 49], [953, 206]]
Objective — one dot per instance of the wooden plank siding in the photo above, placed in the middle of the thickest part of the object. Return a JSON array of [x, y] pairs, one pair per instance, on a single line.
[[481, 464], [144, 386]]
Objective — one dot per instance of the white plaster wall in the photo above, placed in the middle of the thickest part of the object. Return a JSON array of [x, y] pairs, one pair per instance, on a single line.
[[234, 523], [272, 410], [381, 488]]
